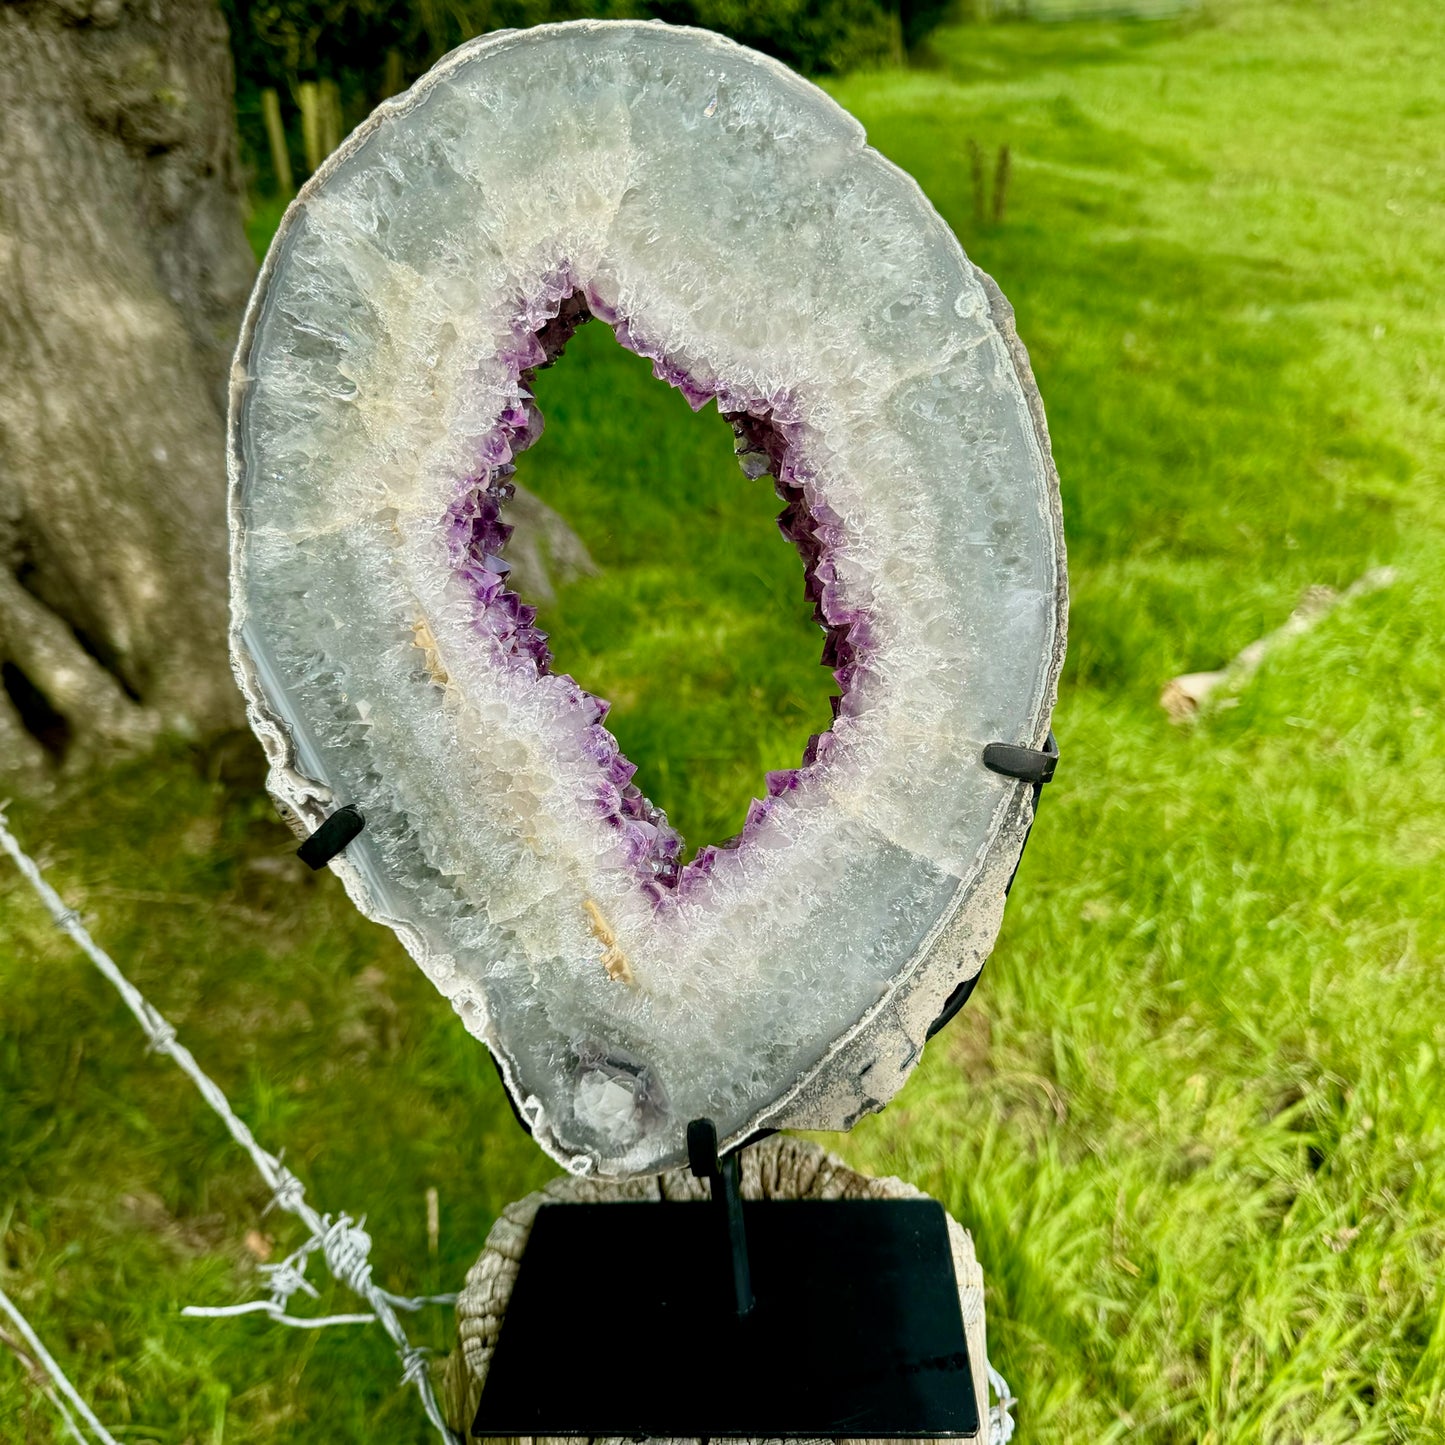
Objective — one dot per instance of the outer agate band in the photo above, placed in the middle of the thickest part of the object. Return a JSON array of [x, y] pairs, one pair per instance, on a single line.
[[727, 220]]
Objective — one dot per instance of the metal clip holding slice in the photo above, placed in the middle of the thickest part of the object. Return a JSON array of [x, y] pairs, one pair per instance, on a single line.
[[332, 837], [1028, 765]]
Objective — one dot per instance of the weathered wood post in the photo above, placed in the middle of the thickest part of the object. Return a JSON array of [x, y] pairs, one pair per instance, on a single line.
[[781, 1167]]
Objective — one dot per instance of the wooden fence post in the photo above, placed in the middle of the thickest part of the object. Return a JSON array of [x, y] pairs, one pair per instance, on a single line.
[[778, 1168], [308, 97], [276, 136]]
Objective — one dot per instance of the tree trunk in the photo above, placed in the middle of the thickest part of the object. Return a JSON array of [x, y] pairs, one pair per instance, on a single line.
[[123, 271]]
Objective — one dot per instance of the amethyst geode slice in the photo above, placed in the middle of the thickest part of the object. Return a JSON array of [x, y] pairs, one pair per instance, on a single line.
[[727, 220]]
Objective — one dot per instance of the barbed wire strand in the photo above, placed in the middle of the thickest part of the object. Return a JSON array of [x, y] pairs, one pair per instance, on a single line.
[[66, 1418], [345, 1247], [1000, 1421], [58, 1380]]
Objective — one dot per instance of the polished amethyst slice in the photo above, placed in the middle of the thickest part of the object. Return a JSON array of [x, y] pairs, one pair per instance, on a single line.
[[728, 222]]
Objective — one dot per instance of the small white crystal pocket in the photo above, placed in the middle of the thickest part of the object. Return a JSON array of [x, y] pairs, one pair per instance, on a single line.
[[728, 221]]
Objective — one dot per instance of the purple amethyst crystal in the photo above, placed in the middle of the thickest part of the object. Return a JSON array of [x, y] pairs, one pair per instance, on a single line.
[[477, 536]]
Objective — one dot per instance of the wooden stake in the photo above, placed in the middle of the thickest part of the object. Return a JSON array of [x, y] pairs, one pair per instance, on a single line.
[[393, 82], [308, 97], [276, 136], [331, 122], [1000, 185]]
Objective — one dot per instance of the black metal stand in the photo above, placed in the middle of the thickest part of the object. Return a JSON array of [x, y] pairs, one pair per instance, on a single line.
[[642, 1320], [1028, 765], [785, 1318], [727, 1203]]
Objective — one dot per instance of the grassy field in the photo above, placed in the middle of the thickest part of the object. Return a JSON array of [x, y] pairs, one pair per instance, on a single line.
[[1195, 1113]]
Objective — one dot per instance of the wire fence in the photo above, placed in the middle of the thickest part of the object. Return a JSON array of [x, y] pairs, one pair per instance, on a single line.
[[342, 1243], [51, 1378], [344, 1246]]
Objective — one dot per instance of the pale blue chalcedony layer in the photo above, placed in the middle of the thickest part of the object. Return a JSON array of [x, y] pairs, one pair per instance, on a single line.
[[728, 218]]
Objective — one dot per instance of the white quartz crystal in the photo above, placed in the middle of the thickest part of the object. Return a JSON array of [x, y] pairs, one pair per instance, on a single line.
[[729, 222]]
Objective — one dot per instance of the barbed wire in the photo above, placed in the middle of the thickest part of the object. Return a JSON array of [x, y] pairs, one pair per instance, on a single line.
[[57, 1382], [344, 1246], [1000, 1421]]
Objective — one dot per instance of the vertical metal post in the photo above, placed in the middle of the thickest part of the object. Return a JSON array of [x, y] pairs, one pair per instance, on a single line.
[[727, 1202]]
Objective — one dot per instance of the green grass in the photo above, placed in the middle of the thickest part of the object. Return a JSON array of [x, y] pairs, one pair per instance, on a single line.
[[696, 628], [1195, 1114]]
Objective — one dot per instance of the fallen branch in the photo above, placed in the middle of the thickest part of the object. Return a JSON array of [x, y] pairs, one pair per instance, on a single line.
[[1184, 697]]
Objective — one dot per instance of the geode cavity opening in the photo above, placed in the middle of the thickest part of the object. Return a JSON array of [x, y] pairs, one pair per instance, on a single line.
[[506, 624]]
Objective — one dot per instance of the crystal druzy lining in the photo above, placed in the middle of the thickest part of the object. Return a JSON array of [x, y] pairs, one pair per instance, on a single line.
[[480, 533], [728, 222]]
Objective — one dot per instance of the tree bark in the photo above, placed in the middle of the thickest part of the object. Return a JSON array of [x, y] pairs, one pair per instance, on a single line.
[[123, 271]]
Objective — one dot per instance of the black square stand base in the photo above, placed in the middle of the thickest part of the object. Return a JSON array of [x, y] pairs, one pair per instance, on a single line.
[[622, 1322]]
